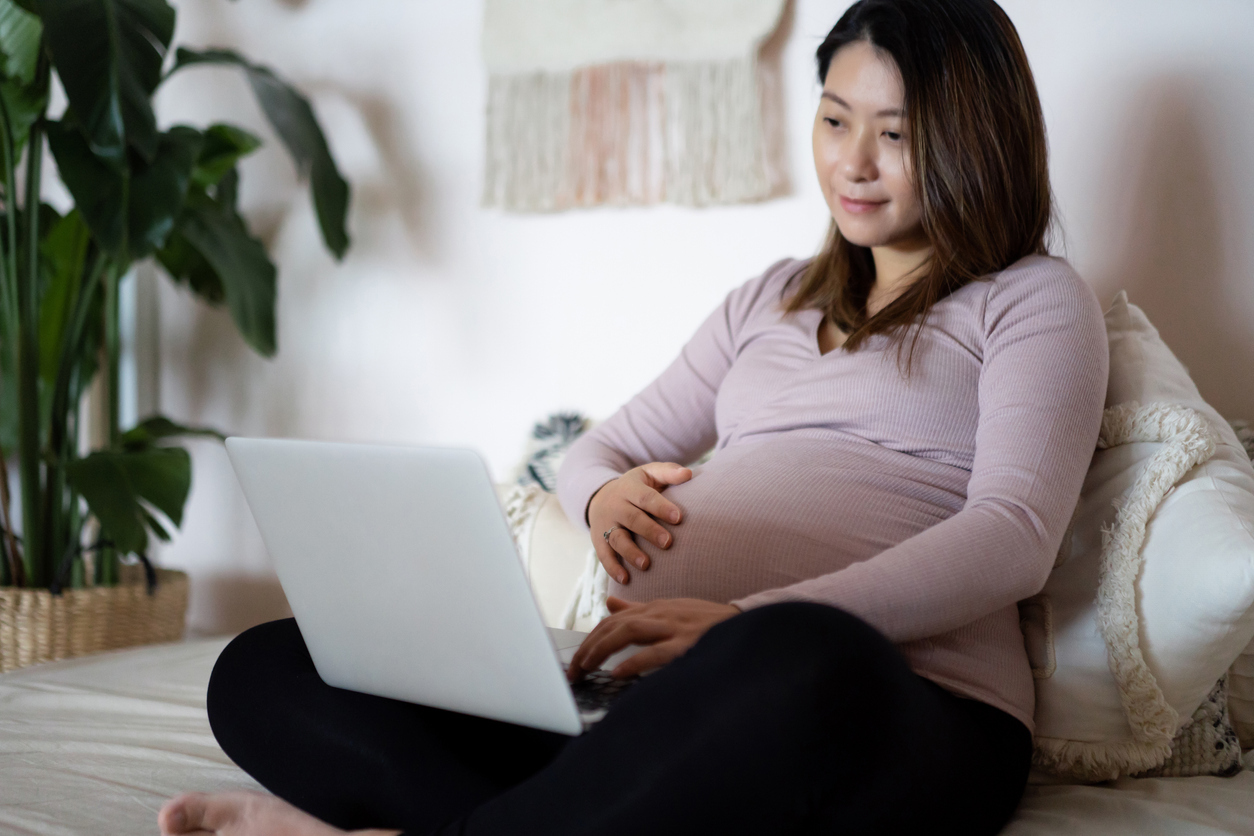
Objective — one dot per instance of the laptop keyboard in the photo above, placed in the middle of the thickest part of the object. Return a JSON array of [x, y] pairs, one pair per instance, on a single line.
[[597, 690]]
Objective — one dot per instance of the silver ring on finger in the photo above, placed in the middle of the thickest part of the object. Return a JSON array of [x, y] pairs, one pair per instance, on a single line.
[[606, 535]]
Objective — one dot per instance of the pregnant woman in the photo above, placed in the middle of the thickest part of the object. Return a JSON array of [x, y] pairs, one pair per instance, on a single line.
[[901, 427]]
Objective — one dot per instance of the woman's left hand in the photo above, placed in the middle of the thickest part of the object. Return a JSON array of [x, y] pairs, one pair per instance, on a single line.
[[669, 626]]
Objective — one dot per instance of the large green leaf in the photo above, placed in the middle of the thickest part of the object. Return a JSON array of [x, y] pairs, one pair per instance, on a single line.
[[293, 120], [185, 264], [148, 432], [20, 34], [158, 190], [154, 525], [69, 314], [99, 190], [121, 484], [63, 253], [153, 193], [226, 192], [117, 485], [23, 95], [108, 55], [23, 104], [241, 264], [223, 147], [64, 245]]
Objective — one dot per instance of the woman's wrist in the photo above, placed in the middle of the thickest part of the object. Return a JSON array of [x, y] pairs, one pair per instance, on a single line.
[[587, 509]]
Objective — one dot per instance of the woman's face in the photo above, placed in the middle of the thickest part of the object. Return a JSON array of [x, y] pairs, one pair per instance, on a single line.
[[861, 150]]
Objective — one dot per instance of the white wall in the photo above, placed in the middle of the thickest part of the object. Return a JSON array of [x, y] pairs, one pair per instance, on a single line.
[[452, 324]]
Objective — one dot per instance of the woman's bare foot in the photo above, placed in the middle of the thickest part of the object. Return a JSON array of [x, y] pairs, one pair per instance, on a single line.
[[241, 814]]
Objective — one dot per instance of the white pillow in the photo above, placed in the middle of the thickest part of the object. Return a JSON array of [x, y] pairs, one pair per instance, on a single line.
[[1109, 701]]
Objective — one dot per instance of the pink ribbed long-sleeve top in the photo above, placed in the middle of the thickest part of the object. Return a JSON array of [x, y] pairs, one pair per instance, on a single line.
[[926, 506]]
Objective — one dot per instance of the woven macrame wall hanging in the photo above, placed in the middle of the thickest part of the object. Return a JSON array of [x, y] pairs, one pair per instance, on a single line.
[[630, 102]]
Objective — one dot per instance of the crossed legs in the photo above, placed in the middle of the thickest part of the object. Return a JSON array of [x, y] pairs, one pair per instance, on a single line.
[[792, 718]]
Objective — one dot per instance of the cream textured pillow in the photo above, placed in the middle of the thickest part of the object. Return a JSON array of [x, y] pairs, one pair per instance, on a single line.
[[560, 562], [1241, 674], [1118, 677]]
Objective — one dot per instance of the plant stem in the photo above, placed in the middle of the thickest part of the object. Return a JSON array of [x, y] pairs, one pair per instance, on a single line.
[[75, 521], [62, 444], [11, 307], [107, 558], [28, 440], [40, 556], [113, 354], [11, 570], [8, 266], [38, 562]]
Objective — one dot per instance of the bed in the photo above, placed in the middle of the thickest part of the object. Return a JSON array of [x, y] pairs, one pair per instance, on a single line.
[[95, 745]]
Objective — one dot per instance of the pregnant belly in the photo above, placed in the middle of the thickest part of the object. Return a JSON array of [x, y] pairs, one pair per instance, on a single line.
[[771, 513]]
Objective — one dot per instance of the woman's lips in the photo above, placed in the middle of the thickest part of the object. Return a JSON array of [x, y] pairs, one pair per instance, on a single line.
[[857, 207]]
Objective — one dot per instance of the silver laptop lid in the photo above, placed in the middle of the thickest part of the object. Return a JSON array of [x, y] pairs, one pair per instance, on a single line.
[[401, 572]]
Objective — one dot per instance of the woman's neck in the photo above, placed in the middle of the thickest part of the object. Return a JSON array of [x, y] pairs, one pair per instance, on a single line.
[[897, 267]]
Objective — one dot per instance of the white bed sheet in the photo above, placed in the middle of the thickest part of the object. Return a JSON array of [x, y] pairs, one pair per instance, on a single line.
[[95, 745]]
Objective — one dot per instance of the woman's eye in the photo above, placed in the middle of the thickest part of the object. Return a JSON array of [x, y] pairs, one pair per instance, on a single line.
[[894, 136], [835, 123]]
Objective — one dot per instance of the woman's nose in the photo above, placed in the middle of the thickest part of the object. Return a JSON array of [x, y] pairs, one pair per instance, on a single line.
[[858, 164]]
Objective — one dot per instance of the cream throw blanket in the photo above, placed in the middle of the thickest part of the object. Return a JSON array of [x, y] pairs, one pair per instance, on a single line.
[[629, 102]]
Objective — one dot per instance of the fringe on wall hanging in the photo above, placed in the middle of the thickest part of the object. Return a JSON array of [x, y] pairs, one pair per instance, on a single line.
[[629, 102]]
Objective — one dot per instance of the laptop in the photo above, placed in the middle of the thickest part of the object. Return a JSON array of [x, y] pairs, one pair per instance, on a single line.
[[405, 582]]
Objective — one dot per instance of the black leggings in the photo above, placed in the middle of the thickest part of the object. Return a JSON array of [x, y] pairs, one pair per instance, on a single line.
[[792, 718]]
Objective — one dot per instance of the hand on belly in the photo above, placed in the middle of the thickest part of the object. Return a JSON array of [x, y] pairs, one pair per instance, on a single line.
[[627, 512]]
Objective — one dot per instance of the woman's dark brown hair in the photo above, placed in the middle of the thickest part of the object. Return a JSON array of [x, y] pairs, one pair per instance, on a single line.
[[978, 155]]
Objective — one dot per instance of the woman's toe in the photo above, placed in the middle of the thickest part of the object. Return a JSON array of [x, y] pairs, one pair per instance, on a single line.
[[176, 815]]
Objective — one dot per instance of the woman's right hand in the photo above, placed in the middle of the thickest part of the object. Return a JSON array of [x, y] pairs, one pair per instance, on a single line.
[[634, 503]]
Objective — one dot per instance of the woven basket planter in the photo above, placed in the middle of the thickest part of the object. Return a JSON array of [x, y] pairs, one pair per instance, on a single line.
[[37, 626]]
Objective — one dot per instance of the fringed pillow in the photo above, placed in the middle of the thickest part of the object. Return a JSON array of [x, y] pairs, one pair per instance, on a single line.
[[1241, 674], [1152, 597]]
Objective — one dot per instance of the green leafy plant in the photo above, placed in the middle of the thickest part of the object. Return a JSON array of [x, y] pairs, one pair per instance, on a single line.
[[139, 192]]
